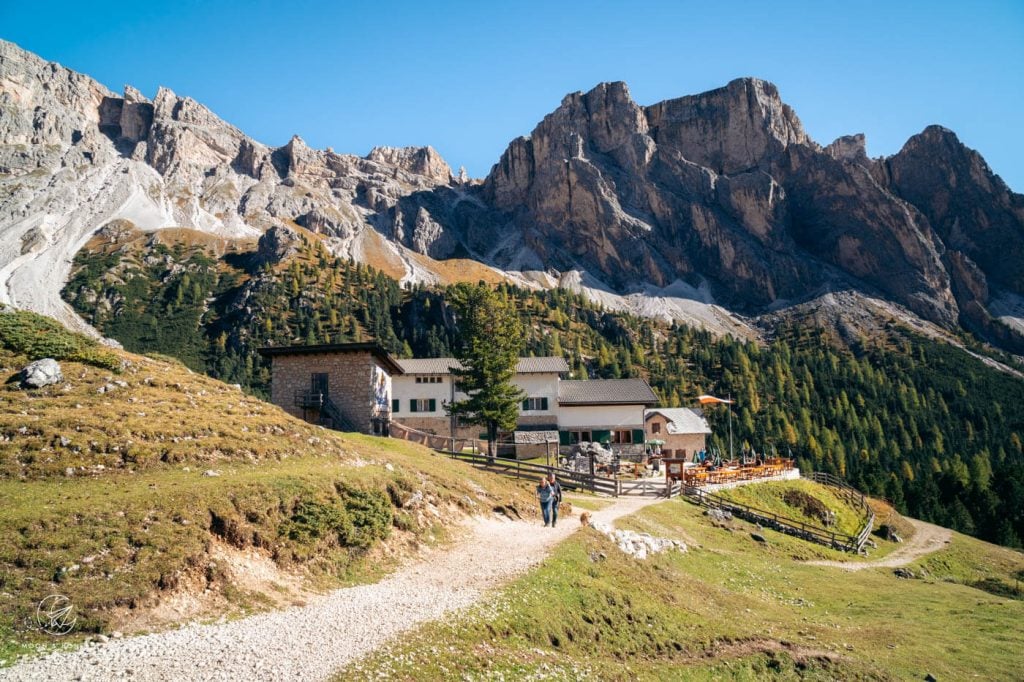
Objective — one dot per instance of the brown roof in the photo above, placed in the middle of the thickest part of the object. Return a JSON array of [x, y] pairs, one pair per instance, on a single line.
[[543, 365], [373, 349], [606, 392]]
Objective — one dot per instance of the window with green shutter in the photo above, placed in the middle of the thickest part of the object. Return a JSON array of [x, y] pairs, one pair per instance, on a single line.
[[412, 405], [395, 404], [638, 436], [564, 438], [535, 404], [433, 405]]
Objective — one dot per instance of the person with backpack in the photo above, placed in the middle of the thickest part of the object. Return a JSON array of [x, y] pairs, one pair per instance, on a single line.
[[545, 495], [556, 497]]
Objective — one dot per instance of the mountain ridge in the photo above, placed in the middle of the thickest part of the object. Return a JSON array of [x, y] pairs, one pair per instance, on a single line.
[[721, 192]]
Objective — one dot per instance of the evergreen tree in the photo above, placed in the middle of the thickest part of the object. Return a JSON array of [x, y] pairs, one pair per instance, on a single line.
[[489, 344]]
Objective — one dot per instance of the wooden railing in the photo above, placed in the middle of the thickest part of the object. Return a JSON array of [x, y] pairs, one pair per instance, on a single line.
[[796, 527], [851, 495], [569, 478]]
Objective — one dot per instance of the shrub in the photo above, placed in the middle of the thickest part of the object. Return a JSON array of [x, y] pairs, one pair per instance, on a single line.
[[40, 337]]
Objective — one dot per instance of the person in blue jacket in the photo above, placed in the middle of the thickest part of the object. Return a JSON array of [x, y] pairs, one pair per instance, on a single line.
[[556, 497], [544, 496]]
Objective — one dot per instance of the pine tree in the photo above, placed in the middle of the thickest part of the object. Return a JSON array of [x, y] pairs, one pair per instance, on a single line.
[[490, 342]]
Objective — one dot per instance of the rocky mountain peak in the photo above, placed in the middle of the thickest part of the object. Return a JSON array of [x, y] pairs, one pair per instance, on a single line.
[[849, 148], [721, 192], [423, 161], [732, 129]]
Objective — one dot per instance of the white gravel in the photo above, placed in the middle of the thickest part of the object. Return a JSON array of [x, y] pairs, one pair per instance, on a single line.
[[314, 641]]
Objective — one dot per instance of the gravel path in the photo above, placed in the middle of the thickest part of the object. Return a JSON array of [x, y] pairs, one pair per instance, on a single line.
[[313, 641], [927, 538]]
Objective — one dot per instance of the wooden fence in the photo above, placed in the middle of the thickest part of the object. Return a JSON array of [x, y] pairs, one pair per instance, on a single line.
[[852, 496], [795, 527], [470, 451], [474, 452]]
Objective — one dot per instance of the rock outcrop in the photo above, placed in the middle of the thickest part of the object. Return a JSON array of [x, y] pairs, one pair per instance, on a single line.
[[721, 196], [41, 373]]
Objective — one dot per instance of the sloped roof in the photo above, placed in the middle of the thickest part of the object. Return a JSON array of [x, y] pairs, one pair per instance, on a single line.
[[681, 420], [389, 363], [428, 365], [543, 365], [606, 392]]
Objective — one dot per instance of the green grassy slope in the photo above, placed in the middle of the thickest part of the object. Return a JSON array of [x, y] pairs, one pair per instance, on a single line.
[[799, 500], [105, 497], [729, 608]]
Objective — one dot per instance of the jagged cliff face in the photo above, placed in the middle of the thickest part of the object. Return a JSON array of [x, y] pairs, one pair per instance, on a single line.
[[721, 196], [75, 157], [723, 186]]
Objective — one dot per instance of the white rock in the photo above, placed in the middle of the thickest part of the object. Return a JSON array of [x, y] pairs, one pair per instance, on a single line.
[[41, 373]]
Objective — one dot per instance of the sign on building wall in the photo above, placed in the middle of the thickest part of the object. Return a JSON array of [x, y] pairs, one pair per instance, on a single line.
[[380, 382]]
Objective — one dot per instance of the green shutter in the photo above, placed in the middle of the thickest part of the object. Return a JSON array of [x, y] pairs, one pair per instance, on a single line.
[[433, 405], [564, 438], [638, 436], [412, 405], [602, 436], [395, 404], [544, 403], [526, 405]]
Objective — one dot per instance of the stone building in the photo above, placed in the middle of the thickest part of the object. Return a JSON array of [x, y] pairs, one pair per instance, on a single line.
[[682, 430], [344, 386]]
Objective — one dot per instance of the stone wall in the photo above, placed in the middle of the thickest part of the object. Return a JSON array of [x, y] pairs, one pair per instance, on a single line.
[[349, 380], [441, 426]]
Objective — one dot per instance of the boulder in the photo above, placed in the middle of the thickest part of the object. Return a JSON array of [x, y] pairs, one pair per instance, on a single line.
[[719, 515], [41, 373]]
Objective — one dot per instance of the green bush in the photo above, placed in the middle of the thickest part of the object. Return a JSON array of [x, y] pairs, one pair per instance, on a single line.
[[40, 337]]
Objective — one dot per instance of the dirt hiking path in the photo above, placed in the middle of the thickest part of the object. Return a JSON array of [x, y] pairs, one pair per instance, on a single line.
[[312, 642], [927, 538]]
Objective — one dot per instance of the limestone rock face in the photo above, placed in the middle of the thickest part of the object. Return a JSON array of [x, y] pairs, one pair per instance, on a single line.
[[277, 243], [723, 187], [720, 194], [41, 373], [423, 161], [731, 129], [849, 148], [970, 207]]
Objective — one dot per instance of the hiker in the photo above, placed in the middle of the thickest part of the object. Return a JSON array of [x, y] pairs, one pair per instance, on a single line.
[[544, 496], [556, 497]]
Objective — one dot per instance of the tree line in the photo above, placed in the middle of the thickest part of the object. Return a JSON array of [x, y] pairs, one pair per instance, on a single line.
[[918, 422]]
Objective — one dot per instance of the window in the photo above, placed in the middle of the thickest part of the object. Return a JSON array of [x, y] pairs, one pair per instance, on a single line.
[[655, 427], [395, 404], [429, 380], [622, 436], [580, 436], [535, 404], [422, 405]]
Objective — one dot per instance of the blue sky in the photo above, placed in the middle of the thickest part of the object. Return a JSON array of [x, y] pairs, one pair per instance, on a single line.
[[467, 77]]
